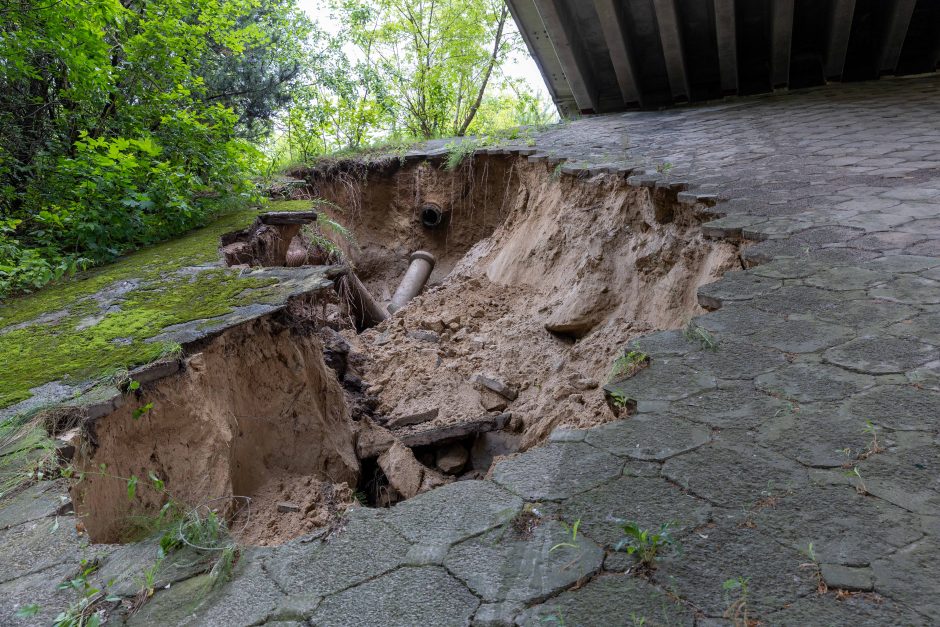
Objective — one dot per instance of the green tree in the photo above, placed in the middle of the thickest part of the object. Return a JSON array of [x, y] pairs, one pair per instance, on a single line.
[[122, 122]]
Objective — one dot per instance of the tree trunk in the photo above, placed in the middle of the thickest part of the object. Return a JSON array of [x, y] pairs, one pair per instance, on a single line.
[[486, 77]]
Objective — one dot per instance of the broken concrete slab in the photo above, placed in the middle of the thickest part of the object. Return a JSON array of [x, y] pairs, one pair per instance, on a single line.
[[496, 385], [406, 474], [409, 417]]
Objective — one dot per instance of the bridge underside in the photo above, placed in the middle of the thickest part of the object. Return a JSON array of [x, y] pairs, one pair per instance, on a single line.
[[600, 56]]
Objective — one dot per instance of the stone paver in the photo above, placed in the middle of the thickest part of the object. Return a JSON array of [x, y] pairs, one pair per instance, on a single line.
[[407, 597], [503, 565], [557, 471], [832, 325], [631, 600]]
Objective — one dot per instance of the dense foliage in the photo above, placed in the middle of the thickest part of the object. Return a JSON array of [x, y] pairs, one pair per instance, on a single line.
[[400, 70], [125, 122]]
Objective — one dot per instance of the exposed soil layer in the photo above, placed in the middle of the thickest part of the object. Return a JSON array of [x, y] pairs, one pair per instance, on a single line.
[[256, 404], [540, 282]]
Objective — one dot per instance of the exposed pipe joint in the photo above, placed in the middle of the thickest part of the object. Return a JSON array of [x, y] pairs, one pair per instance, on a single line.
[[422, 263], [433, 216]]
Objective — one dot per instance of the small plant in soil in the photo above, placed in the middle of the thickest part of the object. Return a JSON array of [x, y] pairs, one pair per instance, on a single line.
[[646, 544], [737, 611], [695, 333], [627, 365], [619, 402]]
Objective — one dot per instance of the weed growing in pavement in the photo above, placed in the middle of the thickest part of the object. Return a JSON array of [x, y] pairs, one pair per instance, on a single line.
[[874, 447], [646, 544], [628, 364], [665, 167], [572, 531], [85, 611], [813, 564], [856, 476], [737, 608], [695, 333]]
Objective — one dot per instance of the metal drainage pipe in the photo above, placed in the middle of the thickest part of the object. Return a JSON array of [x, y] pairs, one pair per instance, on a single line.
[[422, 263], [433, 216]]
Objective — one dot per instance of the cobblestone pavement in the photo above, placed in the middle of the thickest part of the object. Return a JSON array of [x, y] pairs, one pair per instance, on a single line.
[[800, 455]]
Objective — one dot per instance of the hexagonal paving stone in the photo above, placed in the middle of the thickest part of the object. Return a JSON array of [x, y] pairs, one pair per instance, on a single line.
[[501, 565], [848, 278], [663, 343], [33, 546], [737, 360], [804, 299], [623, 599], [250, 598], [41, 589], [902, 263], [708, 559], [665, 379], [735, 320], [843, 526], [787, 268], [908, 476], [813, 382], [365, 549], [910, 576], [732, 405], [735, 286], [649, 437], [557, 471], [924, 327], [881, 354], [406, 597], [859, 609], [899, 407], [816, 436], [453, 512], [735, 475], [40, 500], [648, 501], [887, 240], [865, 313], [802, 336], [910, 289]]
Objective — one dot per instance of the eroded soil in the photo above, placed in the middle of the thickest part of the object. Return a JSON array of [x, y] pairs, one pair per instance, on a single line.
[[538, 285]]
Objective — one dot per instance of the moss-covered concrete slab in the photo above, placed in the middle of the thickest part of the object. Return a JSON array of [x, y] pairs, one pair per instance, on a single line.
[[56, 343]]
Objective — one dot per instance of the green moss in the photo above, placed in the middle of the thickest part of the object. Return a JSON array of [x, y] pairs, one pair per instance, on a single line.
[[59, 350]]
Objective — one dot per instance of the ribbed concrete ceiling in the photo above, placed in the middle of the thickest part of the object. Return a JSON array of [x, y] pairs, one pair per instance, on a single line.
[[610, 55]]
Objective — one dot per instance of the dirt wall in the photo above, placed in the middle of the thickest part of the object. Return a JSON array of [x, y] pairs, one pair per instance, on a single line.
[[256, 405]]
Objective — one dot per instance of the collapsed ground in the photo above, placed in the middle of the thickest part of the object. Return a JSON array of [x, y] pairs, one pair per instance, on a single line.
[[303, 410], [538, 283]]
